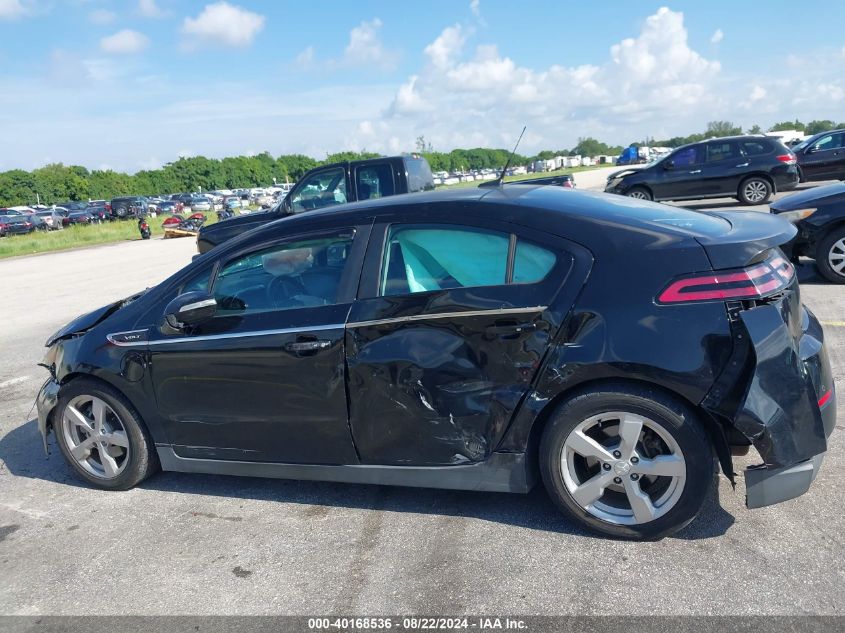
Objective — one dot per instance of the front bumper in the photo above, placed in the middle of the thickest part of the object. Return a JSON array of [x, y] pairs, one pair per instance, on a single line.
[[45, 403]]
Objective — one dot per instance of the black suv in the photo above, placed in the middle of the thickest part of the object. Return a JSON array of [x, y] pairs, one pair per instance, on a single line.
[[822, 157], [750, 168]]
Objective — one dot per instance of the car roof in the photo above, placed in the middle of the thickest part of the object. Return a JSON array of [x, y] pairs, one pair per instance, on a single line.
[[543, 207]]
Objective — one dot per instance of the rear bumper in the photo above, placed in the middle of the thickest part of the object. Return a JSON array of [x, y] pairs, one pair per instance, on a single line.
[[767, 486], [796, 411]]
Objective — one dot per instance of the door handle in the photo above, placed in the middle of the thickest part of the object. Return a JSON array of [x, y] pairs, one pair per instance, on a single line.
[[697, 171], [512, 328], [743, 165], [307, 346]]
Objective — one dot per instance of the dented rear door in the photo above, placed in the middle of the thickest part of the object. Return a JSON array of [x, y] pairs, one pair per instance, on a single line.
[[435, 374]]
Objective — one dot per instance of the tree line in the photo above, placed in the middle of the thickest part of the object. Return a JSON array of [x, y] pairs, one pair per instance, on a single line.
[[58, 183]]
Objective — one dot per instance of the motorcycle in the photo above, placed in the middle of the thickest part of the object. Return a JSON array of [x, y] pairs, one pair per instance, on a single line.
[[144, 228]]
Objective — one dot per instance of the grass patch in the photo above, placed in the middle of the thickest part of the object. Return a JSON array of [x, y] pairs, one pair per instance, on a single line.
[[545, 174], [80, 236]]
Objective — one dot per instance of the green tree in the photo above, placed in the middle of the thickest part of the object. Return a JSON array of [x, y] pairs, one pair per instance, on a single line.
[[787, 125], [754, 129], [814, 127], [722, 128]]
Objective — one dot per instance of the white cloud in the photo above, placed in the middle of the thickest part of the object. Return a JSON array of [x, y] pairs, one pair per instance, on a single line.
[[717, 36], [448, 45], [475, 7], [757, 93], [149, 9], [646, 81], [365, 47], [11, 9], [102, 16], [225, 24], [124, 42]]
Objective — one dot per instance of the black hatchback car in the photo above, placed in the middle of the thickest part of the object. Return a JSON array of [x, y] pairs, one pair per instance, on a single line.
[[822, 156], [749, 168], [479, 339]]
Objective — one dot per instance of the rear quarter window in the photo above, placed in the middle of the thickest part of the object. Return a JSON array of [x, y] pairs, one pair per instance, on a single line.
[[419, 175], [757, 147]]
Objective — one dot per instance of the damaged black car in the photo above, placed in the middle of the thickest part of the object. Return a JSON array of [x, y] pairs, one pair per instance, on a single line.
[[616, 350]]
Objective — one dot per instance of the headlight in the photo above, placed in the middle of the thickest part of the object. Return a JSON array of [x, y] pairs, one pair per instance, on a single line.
[[795, 216]]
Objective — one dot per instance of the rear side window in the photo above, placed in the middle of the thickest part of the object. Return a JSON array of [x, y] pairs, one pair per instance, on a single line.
[[419, 175], [422, 259], [374, 181], [531, 263], [757, 147], [724, 150]]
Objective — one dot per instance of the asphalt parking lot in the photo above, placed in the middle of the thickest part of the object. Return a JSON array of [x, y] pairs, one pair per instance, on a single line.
[[199, 544]]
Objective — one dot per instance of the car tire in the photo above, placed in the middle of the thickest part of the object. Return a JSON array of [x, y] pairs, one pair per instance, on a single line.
[[668, 426], [830, 253], [639, 193], [754, 190], [130, 455]]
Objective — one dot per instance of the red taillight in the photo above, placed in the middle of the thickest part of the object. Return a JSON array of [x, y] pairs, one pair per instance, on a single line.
[[755, 282], [825, 398], [789, 159]]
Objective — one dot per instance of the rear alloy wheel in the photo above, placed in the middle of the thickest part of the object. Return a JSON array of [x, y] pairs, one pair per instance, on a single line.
[[102, 437], [755, 190], [830, 256], [639, 193], [628, 462]]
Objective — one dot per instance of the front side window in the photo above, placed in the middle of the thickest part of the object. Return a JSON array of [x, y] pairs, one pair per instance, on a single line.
[[422, 259], [304, 273], [831, 141], [685, 157], [321, 189]]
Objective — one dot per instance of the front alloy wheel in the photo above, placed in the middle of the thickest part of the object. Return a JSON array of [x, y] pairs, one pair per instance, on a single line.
[[95, 437], [639, 193], [102, 436]]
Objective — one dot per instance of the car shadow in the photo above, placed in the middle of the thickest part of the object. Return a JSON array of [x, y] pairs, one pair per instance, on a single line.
[[21, 451]]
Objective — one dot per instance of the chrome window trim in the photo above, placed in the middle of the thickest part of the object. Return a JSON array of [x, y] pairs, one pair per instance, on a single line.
[[215, 337], [447, 315], [320, 328]]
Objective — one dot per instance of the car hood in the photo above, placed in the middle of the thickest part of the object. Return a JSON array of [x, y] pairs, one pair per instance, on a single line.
[[814, 197], [624, 172], [86, 321]]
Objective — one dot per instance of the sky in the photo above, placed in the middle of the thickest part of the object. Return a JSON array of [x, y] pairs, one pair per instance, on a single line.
[[134, 84]]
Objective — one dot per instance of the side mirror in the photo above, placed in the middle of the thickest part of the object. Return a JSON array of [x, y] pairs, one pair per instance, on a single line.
[[190, 308], [668, 165]]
